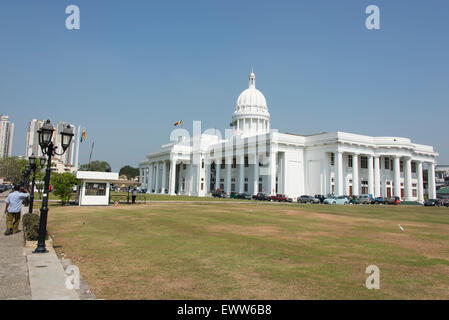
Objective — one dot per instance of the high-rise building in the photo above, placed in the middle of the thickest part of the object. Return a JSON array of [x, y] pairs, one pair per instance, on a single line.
[[62, 163], [6, 135]]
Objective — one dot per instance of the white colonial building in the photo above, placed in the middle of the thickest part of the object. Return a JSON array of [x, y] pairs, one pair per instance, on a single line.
[[253, 158]]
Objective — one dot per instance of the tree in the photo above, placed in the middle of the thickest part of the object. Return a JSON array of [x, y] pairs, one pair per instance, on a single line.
[[129, 172], [96, 165], [63, 184], [11, 169]]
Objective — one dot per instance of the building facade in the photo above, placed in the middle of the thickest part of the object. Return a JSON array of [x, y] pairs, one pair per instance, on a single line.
[[253, 158], [6, 136]]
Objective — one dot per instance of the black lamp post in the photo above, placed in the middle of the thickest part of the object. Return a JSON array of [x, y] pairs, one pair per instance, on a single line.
[[48, 148], [33, 165]]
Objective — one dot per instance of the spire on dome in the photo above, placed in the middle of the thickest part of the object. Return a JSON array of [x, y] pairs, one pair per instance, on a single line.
[[252, 79]]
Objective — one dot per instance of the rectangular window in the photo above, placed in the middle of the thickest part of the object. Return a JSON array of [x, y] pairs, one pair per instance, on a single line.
[[212, 166], [246, 179], [95, 189], [414, 193], [246, 187], [202, 164], [246, 162], [332, 159], [222, 163], [391, 164], [413, 167], [202, 186], [184, 166], [234, 162], [364, 162], [401, 164], [350, 161], [387, 163], [260, 179]]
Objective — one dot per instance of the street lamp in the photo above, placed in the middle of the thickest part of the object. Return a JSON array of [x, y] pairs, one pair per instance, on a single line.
[[48, 148], [33, 165]]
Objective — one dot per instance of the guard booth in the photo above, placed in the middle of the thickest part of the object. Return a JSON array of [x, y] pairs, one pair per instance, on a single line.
[[95, 187]]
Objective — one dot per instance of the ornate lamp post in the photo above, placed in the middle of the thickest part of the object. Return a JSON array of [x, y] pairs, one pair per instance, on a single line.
[[48, 148], [33, 166]]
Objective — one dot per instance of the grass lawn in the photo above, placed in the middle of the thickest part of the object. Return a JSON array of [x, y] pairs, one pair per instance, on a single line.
[[255, 250]]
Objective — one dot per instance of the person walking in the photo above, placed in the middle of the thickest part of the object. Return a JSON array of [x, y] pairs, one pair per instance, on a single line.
[[134, 195], [13, 209]]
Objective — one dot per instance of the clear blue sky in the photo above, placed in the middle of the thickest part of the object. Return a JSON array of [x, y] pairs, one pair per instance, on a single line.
[[136, 67]]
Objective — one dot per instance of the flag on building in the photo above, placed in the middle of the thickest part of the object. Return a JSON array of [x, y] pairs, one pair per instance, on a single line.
[[83, 136], [178, 123]]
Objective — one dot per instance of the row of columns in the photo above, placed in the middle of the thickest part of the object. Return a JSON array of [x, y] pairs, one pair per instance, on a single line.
[[374, 183]]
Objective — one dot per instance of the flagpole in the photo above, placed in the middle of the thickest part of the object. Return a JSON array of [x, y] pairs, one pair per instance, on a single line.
[[77, 147]]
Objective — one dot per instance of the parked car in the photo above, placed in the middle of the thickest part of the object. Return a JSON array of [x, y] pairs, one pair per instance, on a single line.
[[308, 199], [378, 200], [432, 203], [219, 193], [342, 200], [143, 190], [320, 197], [444, 202], [244, 196], [233, 195], [262, 197], [281, 198], [3, 188], [393, 200], [365, 198], [354, 200], [330, 200]]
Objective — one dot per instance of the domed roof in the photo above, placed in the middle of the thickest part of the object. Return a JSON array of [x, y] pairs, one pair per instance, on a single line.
[[251, 99]]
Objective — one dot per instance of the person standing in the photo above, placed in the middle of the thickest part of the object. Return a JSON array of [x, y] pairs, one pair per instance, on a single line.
[[134, 195], [13, 209]]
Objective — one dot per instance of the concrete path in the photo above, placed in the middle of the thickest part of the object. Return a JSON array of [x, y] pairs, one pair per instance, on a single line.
[[25, 275], [14, 284]]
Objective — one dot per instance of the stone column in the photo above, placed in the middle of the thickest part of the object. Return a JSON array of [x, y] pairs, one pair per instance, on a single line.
[[420, 182], [256, 174], [242, 173], [158, 182], [376, 176], [408, 179], [431, 183], [355, 175], [397, 176], [273, 167], [338, 173], [228, 165], [217, 173], [370, 175], [164, 176], [172, 182]]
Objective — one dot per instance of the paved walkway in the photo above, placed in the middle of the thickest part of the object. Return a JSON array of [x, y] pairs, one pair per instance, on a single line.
[[25, 275], [14, 283]]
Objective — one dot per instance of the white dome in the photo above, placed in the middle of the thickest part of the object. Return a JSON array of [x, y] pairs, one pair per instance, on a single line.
[[251, 114], [251, 100], [251, 97]]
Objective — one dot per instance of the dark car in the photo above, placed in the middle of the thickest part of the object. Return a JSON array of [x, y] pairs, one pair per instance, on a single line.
[[393, 200], [307, 199], [281, 198], [444, 202], [234, 195], [378, 200], [432, 203], [143, 190], [244, 196], [320, 197], [219, 193], [262, 197], [3, 188]]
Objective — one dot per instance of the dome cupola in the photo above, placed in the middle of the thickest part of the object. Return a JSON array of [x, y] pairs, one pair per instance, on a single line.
[[251, 114]]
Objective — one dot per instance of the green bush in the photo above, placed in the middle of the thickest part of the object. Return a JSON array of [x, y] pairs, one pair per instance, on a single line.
[[31, 226]]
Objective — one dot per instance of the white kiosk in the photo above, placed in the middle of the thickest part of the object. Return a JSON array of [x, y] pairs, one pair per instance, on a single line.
[[95, 187]]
